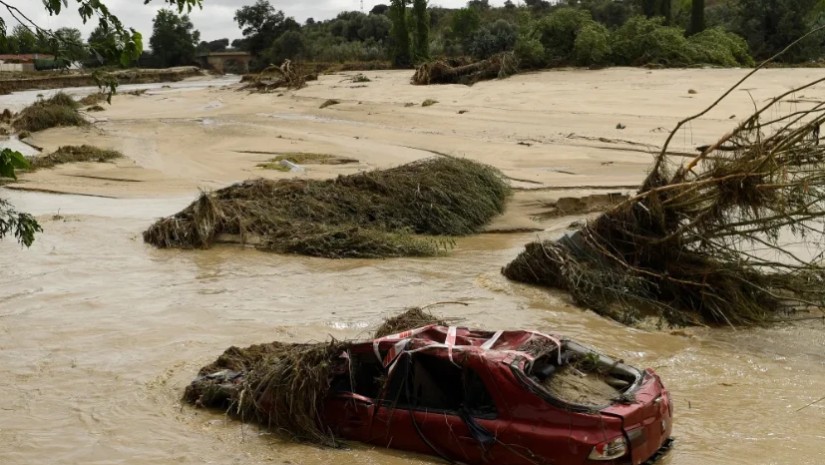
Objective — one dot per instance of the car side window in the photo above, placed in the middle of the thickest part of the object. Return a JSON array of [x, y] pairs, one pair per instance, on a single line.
[[427, 382], [478, 401]]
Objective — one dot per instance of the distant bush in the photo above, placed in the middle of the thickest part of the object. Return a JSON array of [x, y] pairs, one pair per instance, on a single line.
[[489, 40], [530, 52], [643, 41], [557, 32], [592, 45], [717, 46]]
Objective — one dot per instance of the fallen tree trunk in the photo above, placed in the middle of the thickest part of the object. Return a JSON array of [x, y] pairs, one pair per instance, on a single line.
[[443, 72], [275, 77]]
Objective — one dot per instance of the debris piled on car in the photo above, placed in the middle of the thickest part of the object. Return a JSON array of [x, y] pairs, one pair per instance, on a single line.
[[709, 240], [410, 210], [445, 390], [498, 66]]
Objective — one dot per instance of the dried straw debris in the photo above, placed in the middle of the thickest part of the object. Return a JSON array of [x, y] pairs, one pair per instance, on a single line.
[[283, 385], [410, 210]]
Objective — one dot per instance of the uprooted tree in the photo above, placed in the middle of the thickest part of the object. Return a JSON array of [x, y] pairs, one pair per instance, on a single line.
[[733, 236]]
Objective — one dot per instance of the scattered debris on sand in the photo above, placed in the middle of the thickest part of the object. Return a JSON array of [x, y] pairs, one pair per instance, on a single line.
[[57, 111], [94, 99], [568, 206], [74, 154], [303, 158], [498, 66], [329, 103], [274, 77], [707, 240], [410, 210]]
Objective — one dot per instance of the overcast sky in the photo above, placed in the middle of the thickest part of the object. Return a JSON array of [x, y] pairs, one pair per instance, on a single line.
[[214, 21]]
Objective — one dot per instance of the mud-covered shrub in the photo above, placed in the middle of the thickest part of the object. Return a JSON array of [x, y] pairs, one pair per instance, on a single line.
[[592, 45]]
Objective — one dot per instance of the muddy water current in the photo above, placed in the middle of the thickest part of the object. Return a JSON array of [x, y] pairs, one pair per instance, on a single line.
[[100, 333]]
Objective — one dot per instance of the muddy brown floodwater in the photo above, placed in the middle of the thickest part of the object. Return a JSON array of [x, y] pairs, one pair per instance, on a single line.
[[100, 333]]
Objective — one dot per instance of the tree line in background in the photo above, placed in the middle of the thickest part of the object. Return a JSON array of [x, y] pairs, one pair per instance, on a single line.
[[406, 32], [541, 33]]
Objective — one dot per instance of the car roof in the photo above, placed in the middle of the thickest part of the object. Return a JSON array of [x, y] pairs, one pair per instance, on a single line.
[[445, 341]]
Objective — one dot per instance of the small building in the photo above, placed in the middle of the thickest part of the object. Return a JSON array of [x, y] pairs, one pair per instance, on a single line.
[[23, 62], [234, 62]]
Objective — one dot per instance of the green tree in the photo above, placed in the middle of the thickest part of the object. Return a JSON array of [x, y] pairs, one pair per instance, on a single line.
[[104, 46], [401, 57], [697, 17], [173, 39], [654, 8], [422, 30], [70, 44], [219, 45], [464, 23], [24, 40], [770, 25], [261, 25]]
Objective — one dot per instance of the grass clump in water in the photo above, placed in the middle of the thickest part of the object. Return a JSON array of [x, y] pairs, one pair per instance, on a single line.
[[303, 158], [75, 154], [389, 213], [57, 111]]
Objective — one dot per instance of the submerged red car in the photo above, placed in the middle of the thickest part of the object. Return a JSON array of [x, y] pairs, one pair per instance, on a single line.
[[503, 397]]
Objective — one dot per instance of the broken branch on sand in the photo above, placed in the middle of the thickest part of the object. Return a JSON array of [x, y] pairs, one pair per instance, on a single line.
[[710, 241]]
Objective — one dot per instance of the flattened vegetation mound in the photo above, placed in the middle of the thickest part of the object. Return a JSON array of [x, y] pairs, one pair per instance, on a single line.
[[410, 210], [57, 111], [74, 154]]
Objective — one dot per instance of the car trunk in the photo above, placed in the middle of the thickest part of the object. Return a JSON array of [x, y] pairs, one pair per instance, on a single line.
[[647, 421]]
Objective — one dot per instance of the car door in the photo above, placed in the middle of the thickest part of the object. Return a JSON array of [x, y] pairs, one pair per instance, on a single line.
[[427, 409]]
